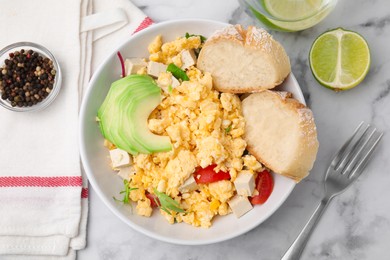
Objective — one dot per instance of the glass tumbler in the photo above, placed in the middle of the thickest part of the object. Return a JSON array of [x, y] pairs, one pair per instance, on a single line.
[[288, 15]]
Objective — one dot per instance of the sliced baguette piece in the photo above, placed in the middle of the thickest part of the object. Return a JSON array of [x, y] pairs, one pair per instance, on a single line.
[[281, 133], [242, 61]]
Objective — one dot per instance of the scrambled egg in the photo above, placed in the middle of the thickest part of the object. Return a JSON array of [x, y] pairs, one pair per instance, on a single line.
[[205, 127]]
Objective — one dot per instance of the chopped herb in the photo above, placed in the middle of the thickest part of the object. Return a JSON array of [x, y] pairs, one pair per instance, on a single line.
[[227, 129], [166, 203], [202, 38], [126, 192], [177, 72], [170, 89]]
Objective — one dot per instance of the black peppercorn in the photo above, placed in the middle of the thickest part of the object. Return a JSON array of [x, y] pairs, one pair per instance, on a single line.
[[26, 78]]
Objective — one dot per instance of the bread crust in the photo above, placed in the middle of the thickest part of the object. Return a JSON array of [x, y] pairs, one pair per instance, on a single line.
[[257, 44], [304, 139]]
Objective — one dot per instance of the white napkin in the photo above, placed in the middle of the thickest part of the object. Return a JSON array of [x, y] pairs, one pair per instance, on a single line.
[[40, 177], [136, 21], [43, 195]]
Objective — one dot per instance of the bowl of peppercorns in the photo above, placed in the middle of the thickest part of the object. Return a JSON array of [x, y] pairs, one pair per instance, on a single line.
[[30, 77]]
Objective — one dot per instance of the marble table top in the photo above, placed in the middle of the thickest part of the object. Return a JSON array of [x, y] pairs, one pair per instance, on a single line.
[[357, 224]]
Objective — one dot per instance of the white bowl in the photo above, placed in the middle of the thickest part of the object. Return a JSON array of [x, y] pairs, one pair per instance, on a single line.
[[106, 184]]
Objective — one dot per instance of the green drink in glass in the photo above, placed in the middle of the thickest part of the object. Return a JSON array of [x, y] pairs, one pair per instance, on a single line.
[[289, 15]]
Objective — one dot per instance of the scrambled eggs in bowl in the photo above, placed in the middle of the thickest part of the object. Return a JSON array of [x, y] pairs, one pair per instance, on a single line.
[[206, 129], [105, 182]]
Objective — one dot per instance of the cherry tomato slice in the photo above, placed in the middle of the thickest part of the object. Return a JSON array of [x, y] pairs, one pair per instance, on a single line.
[[152, 199], [264, 185], [208, 175]]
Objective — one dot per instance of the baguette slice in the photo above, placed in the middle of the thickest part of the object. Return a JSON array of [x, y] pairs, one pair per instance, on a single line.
[[242, 61], [281, 133]]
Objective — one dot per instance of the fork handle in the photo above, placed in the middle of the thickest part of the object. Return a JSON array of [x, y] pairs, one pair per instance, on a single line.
[[295, 250]]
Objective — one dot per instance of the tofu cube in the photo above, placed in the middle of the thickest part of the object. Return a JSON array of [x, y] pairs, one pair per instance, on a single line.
[[120, 158], [240, 205], [155, 68], [126, 172], [165, 80], [133, 65], [245, 183], [188, 59], [162, 185], [189, 185], [175, 82]]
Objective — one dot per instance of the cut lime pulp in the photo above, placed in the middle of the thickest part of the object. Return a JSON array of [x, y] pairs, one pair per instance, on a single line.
[[340, 59]]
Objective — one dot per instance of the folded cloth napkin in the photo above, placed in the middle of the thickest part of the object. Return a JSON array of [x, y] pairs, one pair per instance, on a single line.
[[136, 21], [40, 178], [43, 193]]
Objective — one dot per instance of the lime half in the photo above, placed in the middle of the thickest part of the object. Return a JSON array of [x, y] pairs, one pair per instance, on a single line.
[[339, 59]]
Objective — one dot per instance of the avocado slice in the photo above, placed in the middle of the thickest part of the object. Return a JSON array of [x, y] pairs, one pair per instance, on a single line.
[[130, 92], [124, 113], [117, 130], [123, 126], [107, 109], [139, 115]]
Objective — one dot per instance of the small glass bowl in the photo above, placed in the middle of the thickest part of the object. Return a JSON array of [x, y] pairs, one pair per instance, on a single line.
[[4, 54]]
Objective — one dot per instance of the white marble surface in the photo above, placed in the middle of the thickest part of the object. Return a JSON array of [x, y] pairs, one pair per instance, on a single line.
[[357, 224]]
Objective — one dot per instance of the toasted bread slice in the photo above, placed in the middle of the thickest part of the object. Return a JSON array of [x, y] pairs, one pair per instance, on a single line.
[[281, 133], [242, 61]]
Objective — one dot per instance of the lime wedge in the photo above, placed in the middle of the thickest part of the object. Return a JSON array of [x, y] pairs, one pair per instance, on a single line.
[[292, 9], [339, 59]]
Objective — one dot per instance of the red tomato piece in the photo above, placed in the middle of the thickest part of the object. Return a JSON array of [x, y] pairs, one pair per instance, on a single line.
[[208, 175], [153, 198], [264, 185]]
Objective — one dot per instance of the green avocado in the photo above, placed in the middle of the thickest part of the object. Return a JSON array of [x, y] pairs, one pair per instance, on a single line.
[[123, 115]]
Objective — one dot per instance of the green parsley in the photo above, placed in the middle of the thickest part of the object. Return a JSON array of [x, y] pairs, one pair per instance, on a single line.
[[202, 38], [177, 72], [126, 192], [170, 88], [166, 203], [227, 129]]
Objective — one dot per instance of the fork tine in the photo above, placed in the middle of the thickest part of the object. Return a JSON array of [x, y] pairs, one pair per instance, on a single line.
[[354, 145], [364, 161], [357, 153], [340, 154]]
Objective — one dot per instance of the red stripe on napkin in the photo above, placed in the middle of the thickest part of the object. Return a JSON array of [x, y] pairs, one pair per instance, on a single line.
[[33, 181], [145, 23], [84, 193]]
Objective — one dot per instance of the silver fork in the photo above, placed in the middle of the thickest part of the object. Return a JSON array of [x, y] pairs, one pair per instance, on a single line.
[[345, 168]]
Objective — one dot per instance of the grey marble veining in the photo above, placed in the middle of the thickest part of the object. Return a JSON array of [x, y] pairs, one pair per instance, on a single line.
[[357, 224]]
